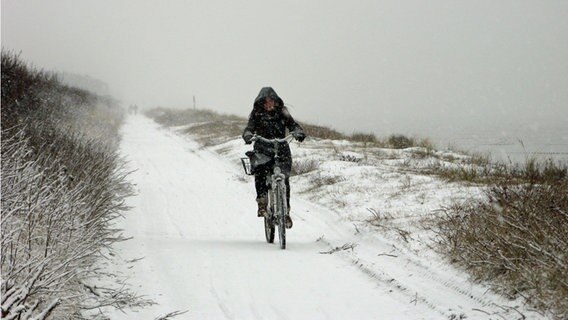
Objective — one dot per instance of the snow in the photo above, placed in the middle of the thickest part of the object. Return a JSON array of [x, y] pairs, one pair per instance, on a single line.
[[193, 220]]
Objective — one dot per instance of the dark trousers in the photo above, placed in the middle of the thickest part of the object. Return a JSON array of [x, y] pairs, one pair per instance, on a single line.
[[260, 178]]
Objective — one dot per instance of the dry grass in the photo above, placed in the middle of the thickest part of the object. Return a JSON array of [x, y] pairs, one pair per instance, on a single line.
[[479, 169], [216, 131], [173, 117], [322, 132], [516, 237], [398, 141], [208, 127], [213, 127], [304, 166], [318, 181], [367, 138], [378, 218]]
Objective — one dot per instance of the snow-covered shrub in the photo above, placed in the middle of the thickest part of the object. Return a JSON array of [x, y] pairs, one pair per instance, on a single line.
[[54, 224], [62, 185]]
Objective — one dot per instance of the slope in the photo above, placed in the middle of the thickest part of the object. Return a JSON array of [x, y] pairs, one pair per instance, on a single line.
[[194, 225]]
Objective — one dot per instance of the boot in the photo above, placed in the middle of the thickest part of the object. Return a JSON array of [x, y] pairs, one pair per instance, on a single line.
[[262, 204], [289, 222]]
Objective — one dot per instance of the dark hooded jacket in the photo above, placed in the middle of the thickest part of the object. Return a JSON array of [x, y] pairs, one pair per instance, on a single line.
[[271, 125]]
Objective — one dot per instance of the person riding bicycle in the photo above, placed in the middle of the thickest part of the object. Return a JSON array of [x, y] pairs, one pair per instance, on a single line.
[[270, 119]]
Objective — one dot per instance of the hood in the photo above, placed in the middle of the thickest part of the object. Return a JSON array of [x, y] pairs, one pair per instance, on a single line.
[[268, 92]]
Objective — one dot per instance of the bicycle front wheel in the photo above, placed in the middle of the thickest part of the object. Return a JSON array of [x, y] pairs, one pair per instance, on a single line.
[[269, 229], [281, 213]]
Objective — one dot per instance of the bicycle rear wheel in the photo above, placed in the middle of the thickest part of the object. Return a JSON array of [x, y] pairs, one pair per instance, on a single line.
[[281, 213]]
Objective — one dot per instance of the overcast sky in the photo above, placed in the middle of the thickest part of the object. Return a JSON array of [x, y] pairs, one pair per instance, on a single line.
[[384, 66]]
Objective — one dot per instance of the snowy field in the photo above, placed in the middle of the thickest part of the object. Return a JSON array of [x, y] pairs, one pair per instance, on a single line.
[[359, 248]]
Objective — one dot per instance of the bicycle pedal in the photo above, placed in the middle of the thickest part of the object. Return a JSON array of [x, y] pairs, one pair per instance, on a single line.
[[288, 222]]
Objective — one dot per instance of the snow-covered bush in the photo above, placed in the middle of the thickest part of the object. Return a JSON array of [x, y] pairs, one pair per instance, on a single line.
[[62, 185]]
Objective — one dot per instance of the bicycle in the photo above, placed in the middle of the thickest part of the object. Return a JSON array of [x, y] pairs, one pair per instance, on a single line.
[[277, 204]]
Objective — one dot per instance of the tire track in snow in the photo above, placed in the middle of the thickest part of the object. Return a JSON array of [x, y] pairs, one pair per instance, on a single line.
[[385, 279], [415, 266]]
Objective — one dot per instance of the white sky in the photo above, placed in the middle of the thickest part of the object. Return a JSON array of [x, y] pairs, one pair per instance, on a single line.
[[385, 66]]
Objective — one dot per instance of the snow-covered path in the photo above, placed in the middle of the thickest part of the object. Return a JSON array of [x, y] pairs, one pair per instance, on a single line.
[[193, 221]]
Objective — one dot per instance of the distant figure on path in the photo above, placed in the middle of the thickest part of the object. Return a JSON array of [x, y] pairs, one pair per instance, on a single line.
[[132, 109]]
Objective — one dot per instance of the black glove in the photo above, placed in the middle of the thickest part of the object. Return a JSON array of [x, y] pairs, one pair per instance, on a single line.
[[247, 136], [299, 135]]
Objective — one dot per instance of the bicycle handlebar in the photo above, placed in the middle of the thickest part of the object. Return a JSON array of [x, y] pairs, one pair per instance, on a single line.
[[288, 138]]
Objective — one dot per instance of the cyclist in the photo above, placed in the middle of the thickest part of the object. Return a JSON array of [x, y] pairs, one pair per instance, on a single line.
[[270, 119]]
